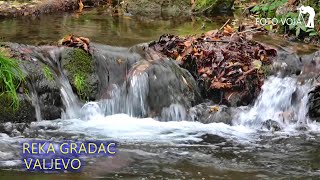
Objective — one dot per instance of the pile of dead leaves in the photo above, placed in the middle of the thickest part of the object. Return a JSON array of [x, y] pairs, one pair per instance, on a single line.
[[76, 42], [224, 62]]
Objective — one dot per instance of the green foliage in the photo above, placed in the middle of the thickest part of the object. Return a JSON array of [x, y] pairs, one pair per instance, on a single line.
[[268, 9], [48, 73], [80, 84], [11, 77]]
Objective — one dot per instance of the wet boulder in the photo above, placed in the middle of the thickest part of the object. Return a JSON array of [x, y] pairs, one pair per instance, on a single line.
[[43, 91], [211, 113], [13, 129], [314, 104], [171, 89], [41, 83], [287, 63], [271, 125], [311, 65], [311, 70]]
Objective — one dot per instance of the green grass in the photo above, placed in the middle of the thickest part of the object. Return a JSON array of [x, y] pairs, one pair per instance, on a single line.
[[48, 73], [11, 77]]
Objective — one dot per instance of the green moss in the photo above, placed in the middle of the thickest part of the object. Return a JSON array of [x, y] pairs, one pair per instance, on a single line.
[[81, 85], [79, 65], [6, 108]]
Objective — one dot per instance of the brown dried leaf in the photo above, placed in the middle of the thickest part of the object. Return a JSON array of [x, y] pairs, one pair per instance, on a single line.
[[212, 32], [187, 43], [228, 30], [85, 40], [220, 85]]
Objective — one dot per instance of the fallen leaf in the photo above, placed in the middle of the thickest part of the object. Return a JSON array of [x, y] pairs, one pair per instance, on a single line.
[[187, 43]]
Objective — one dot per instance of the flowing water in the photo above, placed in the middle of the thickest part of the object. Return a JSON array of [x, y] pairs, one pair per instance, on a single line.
[[180, 148]]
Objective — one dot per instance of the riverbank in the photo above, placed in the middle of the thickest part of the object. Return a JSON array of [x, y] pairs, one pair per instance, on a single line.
[[35, 8], [148, 8], [38, 7]]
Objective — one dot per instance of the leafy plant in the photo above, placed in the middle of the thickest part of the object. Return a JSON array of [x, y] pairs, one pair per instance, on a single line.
[[268, 9], [48, 73], [11, 77]]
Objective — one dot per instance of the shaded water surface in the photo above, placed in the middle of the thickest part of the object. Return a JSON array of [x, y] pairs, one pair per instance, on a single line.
[[100, 26]]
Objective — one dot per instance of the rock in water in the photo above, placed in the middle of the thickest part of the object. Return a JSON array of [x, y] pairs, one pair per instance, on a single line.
[[24, 113], [210, 113], [272, 125], [312, 68], [314, 104], [168, 84]]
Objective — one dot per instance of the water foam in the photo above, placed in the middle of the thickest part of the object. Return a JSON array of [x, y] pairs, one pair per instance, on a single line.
[[123, 127], [283, 100]]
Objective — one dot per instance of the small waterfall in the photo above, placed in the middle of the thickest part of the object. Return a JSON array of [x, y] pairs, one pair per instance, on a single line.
[[282, 100], [51, 58], [137, 95], [35, 100], [175, 112], [33, 94], [70, 100], [303, 95], [130, 98]]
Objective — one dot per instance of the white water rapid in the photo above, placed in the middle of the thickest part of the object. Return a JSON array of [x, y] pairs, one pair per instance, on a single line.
[[282, 100]]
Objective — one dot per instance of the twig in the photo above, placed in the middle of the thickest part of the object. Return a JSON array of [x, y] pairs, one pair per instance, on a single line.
[[208, 8], [223, 41], [224, 25], [249, 30]]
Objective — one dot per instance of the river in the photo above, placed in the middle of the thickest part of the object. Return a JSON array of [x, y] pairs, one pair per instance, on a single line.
[[150, 149]]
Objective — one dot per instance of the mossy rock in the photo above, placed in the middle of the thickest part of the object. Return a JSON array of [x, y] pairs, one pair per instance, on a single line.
[[80, 70], [24, 113]]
